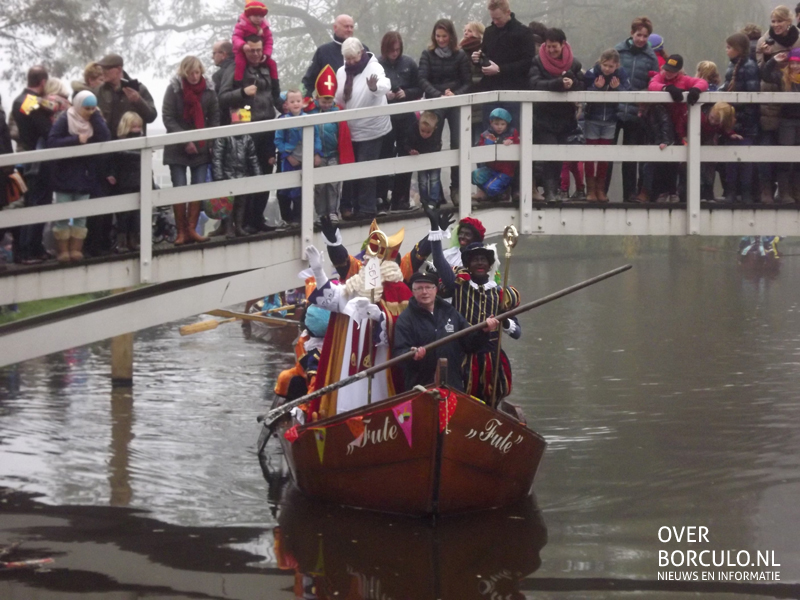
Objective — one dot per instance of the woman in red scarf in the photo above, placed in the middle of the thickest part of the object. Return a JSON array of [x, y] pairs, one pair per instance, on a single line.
[[554, 69], [189, 103]]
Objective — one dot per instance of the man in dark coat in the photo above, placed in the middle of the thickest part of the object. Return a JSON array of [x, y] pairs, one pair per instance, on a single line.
[[555, 70], [120, 93], [427, 319], [33, 119], [506, 54], [330, 53], [223, 56], [253, 90]]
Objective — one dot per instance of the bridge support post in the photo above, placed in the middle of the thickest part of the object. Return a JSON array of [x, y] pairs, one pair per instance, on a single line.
[[122, 360], [146, 217], [693, 171], [465, 163], [307, 192], [526, 167]]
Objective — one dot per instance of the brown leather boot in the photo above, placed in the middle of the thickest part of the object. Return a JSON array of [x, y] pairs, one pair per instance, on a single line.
[[179, 210], [600, 187], [62, 237], [77, 235], [191, 226], [591, 189]]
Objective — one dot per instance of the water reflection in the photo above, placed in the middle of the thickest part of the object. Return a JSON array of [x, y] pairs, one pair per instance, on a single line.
[[356, 554], [121, 436]]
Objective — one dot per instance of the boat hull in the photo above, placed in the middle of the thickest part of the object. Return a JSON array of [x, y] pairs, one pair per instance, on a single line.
[[418, 454]]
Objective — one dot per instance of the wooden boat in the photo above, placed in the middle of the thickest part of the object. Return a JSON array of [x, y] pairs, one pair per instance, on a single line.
[[426, 453], [273, 332], [336, 550]]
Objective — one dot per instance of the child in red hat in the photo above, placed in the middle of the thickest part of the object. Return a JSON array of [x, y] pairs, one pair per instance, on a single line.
[[251, 22]]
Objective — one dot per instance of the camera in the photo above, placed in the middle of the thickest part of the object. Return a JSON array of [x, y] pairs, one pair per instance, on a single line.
[[769, 41], [130, 83], [484, 62]]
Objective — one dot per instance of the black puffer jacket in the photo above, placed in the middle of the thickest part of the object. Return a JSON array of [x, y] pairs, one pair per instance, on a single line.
[[404, 75], [417, 327], [743, 76], [558, 117], [437, 74], [511, 48], [234, 158], [658, 125], [172, 115]]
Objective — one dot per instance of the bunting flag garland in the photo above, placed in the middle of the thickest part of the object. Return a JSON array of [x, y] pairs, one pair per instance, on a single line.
[[446, 408], [291, 434], [356, 425], [404, 413], [319, 436]]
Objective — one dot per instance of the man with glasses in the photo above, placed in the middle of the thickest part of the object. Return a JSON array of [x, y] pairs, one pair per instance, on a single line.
[[429, 318]]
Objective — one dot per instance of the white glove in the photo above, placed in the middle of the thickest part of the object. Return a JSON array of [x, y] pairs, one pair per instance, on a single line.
[[314, 257], [374, 312]]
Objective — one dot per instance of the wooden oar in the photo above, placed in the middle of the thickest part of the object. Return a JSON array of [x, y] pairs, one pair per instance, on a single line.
[[251, 317], [203, 326], [212, 324], [269, 418]]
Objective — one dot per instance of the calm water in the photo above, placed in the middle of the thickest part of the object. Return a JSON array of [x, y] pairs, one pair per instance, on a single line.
[[668, 396]]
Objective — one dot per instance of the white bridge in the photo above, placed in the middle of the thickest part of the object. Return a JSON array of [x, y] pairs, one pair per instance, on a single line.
[[192, 279]]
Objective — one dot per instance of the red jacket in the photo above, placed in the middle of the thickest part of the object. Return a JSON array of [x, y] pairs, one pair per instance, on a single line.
[[678, 111]]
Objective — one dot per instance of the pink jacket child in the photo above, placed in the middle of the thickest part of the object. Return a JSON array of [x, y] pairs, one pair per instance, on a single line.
[[252, 22], [672, 79]]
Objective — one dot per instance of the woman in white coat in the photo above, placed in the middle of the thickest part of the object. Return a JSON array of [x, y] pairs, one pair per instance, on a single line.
[[362, 83]]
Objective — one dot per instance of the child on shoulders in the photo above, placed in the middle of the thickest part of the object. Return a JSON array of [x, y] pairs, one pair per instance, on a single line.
[[251, 22]]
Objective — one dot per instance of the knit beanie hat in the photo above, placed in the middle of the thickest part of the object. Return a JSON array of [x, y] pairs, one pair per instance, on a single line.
[[500, 113], [255, 7], [656, 41]]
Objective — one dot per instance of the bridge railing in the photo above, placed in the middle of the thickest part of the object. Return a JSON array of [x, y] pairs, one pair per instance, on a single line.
[[147, 200]]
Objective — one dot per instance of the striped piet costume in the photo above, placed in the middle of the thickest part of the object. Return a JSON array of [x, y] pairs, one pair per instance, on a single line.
[[478, 298]]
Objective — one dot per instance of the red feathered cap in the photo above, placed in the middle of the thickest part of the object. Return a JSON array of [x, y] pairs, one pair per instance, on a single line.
[[325, 85], [255, 7], [475, 224]]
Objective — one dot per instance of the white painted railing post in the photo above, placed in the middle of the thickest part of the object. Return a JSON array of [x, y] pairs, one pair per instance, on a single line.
[[526, 168], [307, 193], [464, 163], [146, 217], [693, 171]]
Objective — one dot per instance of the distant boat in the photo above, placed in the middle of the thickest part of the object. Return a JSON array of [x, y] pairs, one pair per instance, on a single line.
[[433, 453]]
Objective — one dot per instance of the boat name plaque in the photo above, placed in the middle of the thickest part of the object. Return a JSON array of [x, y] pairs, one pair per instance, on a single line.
[[373, 436], [492, 436]]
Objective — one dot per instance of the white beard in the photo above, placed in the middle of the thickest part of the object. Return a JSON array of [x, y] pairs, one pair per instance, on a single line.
[[355, 287]]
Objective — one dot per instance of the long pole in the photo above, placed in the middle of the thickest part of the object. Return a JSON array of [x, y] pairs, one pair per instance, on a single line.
[[371, 348], [510, 240], [269, 417]]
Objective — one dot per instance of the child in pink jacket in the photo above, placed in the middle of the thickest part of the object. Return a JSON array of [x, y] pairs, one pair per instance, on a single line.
[[672, 79], [251, 22]]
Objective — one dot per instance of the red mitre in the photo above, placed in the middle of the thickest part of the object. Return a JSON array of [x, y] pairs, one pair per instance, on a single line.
[[325, 86]]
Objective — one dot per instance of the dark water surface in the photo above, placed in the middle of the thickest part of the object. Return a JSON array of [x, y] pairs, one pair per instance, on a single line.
[[668, 396]]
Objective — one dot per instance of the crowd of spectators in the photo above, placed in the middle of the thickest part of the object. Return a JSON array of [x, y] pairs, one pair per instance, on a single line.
[[108, 103]]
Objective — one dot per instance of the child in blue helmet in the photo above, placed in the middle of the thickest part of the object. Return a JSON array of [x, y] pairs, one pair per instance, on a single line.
[[494, 179]]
